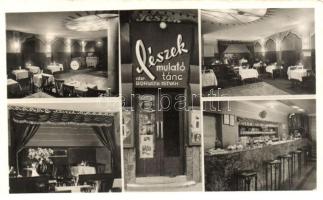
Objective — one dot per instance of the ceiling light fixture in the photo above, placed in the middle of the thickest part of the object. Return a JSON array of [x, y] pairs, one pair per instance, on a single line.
[[163, 25], [233, 16], [95, 22]]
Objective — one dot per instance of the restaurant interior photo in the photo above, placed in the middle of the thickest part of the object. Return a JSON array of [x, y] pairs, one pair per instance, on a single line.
[[62, 54], [260, 145], [64, 148], [252, 52]]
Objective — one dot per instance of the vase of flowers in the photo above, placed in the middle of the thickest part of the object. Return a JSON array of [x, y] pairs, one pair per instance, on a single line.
[[40, 159]]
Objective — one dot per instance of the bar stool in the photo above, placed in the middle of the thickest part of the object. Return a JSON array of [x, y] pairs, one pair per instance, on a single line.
[[296, 160], [299, 162], [246, 176], [306, 154], [274, 166], [283, 159]]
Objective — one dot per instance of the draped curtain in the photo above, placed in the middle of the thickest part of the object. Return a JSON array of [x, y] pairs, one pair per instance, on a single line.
[[222, 46], [106, 136], [291, 48], [270, 51], [22, 133]]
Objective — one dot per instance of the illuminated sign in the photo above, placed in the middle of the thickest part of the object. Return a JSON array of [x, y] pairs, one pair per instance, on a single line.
[[161, 58]]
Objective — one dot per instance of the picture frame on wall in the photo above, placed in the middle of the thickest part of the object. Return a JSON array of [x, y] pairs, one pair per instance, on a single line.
[[226, 119], [232, 120], [127, 129], [195, 128]]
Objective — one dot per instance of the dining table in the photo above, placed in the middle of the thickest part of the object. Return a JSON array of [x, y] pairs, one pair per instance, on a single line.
[[248, 73], [37, 79], [33, 69], [55, 67], [20, 73], [80, 170], [12, 87], [296, 73], [73, 188]]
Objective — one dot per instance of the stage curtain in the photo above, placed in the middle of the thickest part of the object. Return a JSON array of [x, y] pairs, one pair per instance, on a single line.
[[222, 46], [106, 136], [22, 133]]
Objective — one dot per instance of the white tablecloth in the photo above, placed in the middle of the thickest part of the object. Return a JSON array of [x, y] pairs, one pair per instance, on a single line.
[[55, 68], [76, 188], [248, 73], [257, 65], [79, 170], [20, 73], [11, 82], [270, 68], [91, 61], [209, 79], [37, 79], [297, 74], [33, 69]]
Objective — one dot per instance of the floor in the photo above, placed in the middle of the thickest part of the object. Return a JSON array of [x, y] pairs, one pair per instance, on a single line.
[[267, 86], [286, 86], [253, 89], [163, 184], [309, 181], [98, 78]]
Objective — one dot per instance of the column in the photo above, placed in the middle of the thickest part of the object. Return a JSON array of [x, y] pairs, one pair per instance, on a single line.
[[278, 51], [112, 50]]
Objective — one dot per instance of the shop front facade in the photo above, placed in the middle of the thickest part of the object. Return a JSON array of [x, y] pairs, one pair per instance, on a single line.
[[161, 106]]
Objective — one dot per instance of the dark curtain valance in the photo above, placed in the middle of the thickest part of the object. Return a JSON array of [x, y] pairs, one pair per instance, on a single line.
[[108, 139], [50, 116]]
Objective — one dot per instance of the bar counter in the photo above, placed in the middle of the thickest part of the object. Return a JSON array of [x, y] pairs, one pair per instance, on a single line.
[[221, 166]]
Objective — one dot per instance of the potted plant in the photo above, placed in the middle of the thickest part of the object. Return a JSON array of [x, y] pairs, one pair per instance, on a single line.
[[40, 159]]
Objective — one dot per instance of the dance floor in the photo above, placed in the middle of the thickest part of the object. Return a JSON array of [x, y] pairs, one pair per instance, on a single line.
[[97, 78]]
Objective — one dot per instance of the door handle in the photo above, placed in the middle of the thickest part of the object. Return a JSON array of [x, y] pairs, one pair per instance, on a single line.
[[162, 129], [157, 124]]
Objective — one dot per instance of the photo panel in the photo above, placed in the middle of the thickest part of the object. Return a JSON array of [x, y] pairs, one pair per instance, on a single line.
[[62, 54], [161, 100], [269, 145], [64, 147], [258, 52]]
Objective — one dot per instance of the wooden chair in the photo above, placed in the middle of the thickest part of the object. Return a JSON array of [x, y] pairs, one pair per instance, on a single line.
[[46, 86], [93, 92], [25, 86], [59, 87], [105, 181], [68, 91]]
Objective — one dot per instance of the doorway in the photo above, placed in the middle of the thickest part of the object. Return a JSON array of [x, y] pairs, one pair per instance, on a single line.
[[159, 135]]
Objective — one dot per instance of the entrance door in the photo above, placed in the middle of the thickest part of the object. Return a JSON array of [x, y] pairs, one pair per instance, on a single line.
[[160, 140]]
